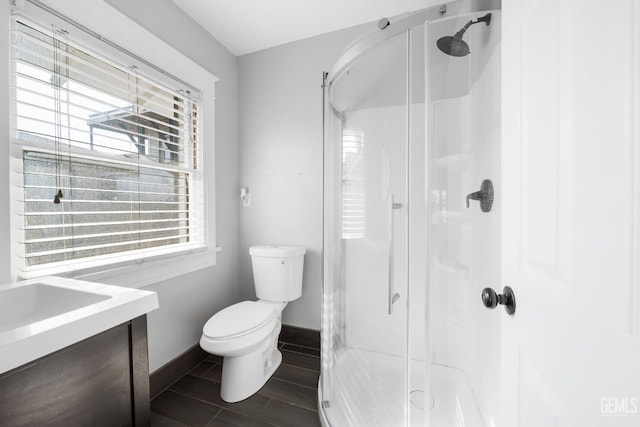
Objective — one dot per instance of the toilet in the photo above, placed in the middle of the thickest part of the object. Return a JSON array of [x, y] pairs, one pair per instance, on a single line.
[[246, 333]]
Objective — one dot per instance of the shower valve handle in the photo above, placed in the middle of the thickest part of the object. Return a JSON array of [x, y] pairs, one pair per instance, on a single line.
[[478, 195], [485, 196], [491, 299]]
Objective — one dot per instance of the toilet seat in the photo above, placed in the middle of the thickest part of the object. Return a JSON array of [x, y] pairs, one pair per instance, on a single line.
[[238, 319]]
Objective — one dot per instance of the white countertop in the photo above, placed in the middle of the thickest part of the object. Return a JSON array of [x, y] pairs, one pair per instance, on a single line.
[[41, 316]]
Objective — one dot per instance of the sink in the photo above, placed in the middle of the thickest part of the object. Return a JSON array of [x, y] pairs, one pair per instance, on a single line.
[[29, 304], [41, 316]]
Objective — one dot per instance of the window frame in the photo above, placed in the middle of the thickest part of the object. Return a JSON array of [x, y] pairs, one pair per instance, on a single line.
[[98, 19]]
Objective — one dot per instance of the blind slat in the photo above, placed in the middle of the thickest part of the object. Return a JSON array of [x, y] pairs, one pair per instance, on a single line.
[[96, 235], [171, 147], [94, 247], [83, 213], [132, 162], [100, 190], [177, 151], [41, 54], [108, 224], [114, 111]]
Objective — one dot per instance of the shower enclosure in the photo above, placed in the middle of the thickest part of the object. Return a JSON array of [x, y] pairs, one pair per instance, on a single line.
[[411, 133]]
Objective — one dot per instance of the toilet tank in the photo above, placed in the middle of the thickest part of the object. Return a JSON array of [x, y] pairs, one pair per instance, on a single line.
[[277, 272]]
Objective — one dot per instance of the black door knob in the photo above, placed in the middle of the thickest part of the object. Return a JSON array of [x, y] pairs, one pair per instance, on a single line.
[[491, 299]]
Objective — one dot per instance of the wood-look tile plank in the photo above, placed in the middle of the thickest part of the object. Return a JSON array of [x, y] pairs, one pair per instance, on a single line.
[[290, 393], [287, 415], [202, 368], [209, 370], [209, 391], [300, 349], [301, 360], [215, 358], [158, 420], [294, 374], [214, 374], [228, 418], [184, 409]]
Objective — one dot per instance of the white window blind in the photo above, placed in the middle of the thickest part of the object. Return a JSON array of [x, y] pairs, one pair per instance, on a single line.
[[106, 162]]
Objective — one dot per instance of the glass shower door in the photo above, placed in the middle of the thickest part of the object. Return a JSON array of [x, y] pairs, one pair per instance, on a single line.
[[365, 330], [410, 132]]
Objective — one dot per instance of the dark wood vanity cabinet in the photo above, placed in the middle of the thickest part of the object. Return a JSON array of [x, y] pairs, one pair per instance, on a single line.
[[101, 381]]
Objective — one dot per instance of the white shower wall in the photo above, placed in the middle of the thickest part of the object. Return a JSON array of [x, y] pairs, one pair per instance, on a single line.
[[464, 125], [366, 278]]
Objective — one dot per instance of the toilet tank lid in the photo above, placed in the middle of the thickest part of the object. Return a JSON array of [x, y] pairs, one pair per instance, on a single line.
[[275, 251]]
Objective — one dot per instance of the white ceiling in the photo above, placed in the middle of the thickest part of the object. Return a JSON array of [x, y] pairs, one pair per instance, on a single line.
[[245, 26]]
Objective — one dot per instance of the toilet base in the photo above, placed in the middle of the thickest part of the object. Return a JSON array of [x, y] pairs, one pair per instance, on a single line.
[[243, 376]]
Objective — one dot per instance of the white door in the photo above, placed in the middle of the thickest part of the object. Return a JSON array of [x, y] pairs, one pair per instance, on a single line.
[[570, 196]]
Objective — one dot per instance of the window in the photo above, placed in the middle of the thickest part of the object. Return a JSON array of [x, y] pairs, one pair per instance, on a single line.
[[353, 196], [107, 162]]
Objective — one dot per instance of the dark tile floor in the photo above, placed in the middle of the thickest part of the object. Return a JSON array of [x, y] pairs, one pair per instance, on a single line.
[[289, 398]]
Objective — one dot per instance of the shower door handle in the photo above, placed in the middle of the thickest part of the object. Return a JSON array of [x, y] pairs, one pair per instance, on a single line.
[[392, 295]]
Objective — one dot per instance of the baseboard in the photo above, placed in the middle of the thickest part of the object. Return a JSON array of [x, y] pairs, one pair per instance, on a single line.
[[175, 369], [304, 337]]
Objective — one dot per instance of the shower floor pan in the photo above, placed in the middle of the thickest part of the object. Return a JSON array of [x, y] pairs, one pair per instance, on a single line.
[[368, 392]]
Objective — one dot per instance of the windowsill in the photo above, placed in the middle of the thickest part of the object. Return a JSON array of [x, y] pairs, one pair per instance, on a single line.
[[156, 271]]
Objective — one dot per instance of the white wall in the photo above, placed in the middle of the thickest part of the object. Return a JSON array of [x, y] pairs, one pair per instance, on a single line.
[[280, 134]]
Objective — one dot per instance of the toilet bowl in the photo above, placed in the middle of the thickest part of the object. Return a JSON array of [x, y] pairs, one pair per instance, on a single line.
[[246, 333]]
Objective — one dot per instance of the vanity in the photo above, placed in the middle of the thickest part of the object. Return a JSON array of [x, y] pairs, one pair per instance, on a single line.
[[73, 353]]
